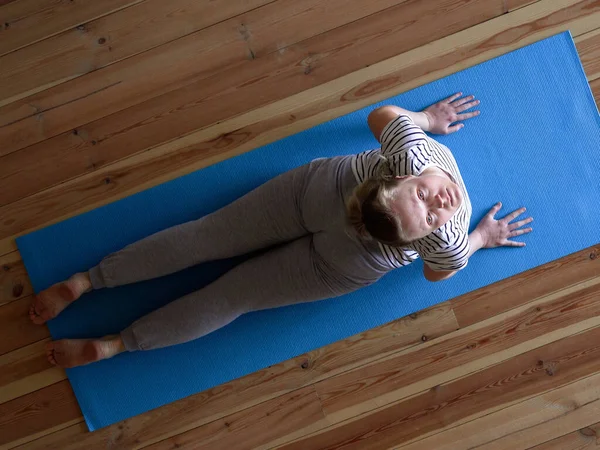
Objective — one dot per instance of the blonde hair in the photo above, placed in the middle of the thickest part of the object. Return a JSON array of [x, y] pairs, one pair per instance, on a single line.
[[368, 209]]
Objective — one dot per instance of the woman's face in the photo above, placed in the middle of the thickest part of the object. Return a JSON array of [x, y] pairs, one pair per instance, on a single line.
[[425, 203]]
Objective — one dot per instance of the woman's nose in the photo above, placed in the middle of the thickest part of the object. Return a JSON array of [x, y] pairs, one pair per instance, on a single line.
[[439, 201]]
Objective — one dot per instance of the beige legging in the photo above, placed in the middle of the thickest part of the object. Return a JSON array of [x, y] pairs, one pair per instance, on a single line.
[[298, 215]]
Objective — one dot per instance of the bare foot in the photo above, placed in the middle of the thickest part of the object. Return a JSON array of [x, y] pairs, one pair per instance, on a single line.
[[49, 303], [69, 353]]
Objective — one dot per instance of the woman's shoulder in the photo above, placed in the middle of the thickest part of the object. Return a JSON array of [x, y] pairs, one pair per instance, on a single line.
[[364, 164]]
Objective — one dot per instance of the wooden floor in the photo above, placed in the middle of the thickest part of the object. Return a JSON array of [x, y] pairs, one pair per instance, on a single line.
[[102, 99]]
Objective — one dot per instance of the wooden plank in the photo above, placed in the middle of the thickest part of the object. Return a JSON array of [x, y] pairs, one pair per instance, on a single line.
[[8, 246], [82, 432], [553, 310], [506, 294], [511, 5], [252, 83], [22, 444], [394, 377], [595, 85], [256, 388], [108, 39], [553, 365], [26, 370], [585, 438], [28, 363], [340, 353], [38, 411], [518, 426], [582, 416], [588, 47], [14, 281], [24, 22], [16, 329], [290, 415], [247, 37], [293, 114], [542, 281]]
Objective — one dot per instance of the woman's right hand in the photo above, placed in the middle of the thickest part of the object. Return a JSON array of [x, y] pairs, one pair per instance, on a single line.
[[496, 233], [441, 114]]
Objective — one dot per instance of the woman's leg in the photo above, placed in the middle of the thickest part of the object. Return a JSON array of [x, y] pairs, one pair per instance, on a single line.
[[268, 215], [290, 274], [293, 273]]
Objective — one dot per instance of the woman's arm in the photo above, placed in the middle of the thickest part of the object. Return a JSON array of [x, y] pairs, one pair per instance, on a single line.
[[489, 233], [437, 275], [435, 118], [380, 117]]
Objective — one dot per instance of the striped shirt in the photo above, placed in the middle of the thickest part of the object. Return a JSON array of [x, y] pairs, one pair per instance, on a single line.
[[410, 151]]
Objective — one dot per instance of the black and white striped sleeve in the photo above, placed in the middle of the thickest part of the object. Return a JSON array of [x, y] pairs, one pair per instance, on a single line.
[[454, 256], [405, 145]]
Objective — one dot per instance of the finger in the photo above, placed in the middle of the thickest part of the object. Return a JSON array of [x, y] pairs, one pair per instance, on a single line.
[[451, 98], [464, 107], [454, 128], [508, 243], [519, 232], [467, 115], [520, 223], [510, 217], [492, 212], [463, 100]]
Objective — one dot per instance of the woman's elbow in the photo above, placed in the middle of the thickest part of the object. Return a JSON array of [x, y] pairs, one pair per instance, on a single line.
[[437, 275]]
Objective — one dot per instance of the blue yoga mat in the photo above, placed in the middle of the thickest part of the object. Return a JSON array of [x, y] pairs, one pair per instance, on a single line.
[[536, 143]]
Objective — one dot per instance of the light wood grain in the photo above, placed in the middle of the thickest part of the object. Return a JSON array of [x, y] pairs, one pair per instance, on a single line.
[[512, 427], [26, 370], [595, 86], [495, 339], [8, 246], [577, 302], [293, 114], [267, 29], [14, 281], [588, 48], [290, 415], [101, 42], [23, 443], [203, 435], [511, 5], [236, 89], [522, 288], [582, 416], [38, 411], [512, 374], [254, 389], [585, 438], [24, 22], [534, 372], [17, 329]]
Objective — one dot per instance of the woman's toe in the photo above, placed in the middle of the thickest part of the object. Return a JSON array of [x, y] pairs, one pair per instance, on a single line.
[[39, 313], [37, 319], [50, 353]]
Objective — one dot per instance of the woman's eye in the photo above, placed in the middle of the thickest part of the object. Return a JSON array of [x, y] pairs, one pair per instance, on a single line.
[[421, 195], [429, 220]]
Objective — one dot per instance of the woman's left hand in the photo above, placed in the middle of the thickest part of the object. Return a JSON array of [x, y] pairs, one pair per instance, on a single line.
[[496, 233], [446, 112]]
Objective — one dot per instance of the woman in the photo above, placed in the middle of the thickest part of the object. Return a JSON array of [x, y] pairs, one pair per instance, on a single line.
[[403, 201]]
